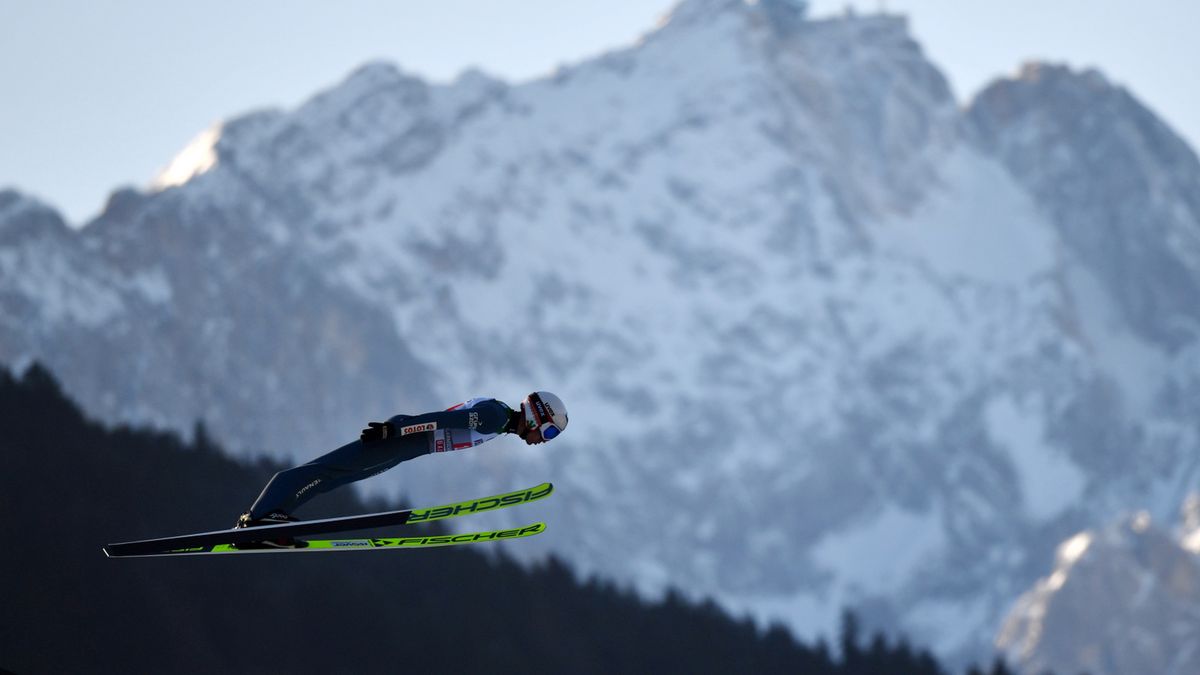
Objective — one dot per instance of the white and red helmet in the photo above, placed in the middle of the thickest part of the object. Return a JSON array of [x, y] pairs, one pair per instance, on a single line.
[[546, 413]]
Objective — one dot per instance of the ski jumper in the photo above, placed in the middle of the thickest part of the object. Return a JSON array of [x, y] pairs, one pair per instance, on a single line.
[[465, 425]]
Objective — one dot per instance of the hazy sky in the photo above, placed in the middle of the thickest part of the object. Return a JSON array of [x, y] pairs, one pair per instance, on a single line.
[[101, 94]]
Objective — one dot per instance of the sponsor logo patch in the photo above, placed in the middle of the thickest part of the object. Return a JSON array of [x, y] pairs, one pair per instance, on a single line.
[[418, 428]]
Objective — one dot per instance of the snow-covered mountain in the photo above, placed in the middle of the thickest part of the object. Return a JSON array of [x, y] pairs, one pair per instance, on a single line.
[[828, 339], [1123, 599]]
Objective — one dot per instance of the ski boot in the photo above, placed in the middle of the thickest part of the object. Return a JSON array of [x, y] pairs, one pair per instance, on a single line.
[[273, 518]]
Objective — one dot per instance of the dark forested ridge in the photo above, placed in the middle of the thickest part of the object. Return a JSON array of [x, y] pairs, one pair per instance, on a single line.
[[69, 485]]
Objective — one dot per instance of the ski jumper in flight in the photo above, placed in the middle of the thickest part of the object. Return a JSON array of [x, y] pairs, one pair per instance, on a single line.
[[383, 445]]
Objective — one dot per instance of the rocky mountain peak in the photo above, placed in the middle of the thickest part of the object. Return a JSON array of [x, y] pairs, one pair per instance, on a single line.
[[1119, 600], [23, 217], [1122, 188]]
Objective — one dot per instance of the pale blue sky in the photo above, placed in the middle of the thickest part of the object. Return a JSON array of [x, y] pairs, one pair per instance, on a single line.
[[101, 94]]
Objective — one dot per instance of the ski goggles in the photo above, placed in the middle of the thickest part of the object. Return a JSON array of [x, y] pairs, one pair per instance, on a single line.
[[549, 431]]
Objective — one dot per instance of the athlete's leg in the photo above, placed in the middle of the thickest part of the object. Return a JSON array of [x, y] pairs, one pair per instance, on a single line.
[[354, 461]]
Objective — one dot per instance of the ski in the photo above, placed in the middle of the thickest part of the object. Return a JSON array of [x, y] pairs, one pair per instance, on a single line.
[[247, 535], [371, 544]]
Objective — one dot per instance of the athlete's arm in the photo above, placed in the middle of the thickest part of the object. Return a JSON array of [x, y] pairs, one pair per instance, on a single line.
[[486, 417]]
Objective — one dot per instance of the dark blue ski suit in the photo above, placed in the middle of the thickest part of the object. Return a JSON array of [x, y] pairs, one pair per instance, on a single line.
[[463, 426]]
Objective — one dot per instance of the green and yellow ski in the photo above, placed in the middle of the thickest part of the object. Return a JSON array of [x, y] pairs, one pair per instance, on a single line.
[[373, 544], [244, 540]]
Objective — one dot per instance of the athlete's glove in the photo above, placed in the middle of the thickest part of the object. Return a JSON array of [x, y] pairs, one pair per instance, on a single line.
[[377, 431]]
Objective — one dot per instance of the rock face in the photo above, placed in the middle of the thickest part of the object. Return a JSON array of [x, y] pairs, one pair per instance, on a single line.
[[827, 339], [1120, 600], [1074, 140]]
